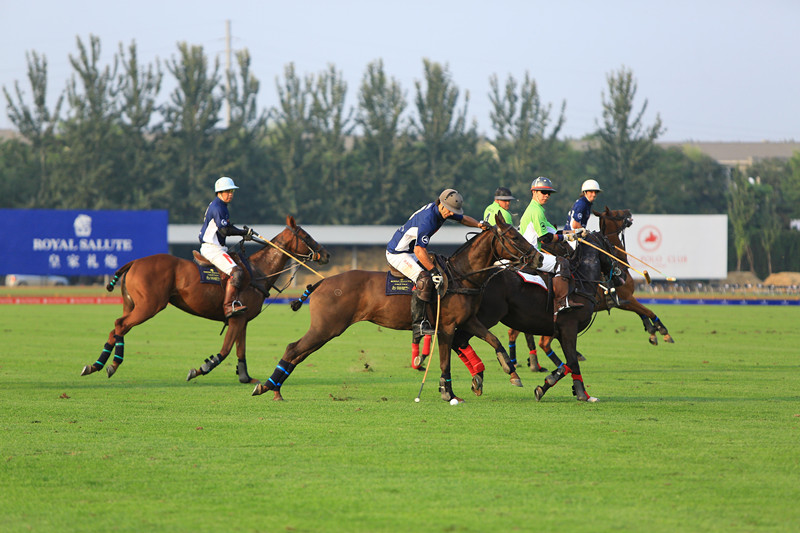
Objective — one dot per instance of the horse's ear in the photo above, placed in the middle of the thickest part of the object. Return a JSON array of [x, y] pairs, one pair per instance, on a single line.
[[290, 221], [499, 221], [607, 210], [598, 214]]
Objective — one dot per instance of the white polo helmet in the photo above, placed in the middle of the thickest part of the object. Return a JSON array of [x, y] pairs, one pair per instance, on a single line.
[[224, 184], [591, 185]]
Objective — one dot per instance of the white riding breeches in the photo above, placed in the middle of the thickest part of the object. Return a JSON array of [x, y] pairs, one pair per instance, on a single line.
[[548, 263], [218, 255], [405, 263]]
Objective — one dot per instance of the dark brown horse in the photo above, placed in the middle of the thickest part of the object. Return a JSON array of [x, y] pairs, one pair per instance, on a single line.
[[149, 283], [613, 225], [357, 295], [528, 307]]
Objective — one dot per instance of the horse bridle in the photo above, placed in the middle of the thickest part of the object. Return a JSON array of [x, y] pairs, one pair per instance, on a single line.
[[313, 254], [627, 223], [501, 235]]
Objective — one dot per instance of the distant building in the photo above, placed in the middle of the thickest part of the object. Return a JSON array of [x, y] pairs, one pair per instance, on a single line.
[[739, 155]]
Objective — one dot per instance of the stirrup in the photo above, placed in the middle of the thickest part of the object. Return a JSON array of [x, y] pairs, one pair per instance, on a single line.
[[424, 328], [237, 308]]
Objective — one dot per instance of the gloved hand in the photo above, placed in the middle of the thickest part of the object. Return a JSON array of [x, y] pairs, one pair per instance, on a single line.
[[249, 232], [581, 232], [437, 277], [569, 236], [484, 225]]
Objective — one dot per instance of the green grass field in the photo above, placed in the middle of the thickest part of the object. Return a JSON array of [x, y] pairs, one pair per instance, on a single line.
[[702, 435]]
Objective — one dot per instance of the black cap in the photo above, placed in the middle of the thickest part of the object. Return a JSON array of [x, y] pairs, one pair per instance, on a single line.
[[503, 193]]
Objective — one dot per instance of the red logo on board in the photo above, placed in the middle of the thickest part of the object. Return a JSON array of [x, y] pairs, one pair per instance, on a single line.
[[649, 238]]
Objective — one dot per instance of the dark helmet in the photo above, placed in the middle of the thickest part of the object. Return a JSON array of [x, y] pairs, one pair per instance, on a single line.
[[503, 193], [542, 184]]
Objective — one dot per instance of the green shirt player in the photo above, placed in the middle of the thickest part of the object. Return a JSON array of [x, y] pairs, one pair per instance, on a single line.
[[502, 201], [535, 227]]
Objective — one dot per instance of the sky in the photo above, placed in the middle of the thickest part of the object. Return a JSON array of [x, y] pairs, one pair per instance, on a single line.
[[713, 70]]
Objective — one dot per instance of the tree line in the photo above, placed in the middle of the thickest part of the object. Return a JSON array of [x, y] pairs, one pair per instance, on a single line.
[[112, 140]]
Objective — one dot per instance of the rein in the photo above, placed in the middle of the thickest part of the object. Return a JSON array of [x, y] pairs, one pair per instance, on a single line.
[[519, 259]]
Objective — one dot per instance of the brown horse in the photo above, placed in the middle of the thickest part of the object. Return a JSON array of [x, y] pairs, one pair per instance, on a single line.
[[528, 307], [149, 283], [358, 295], [613, 225]]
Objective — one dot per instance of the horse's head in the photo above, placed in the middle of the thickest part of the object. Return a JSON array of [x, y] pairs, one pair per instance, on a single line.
[[509, 244], [614, 222], [300, 244]]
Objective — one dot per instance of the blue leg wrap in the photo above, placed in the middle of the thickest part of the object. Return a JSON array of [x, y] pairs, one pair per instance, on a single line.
[[119, 349], [554, 358], [101, 361], [282, 371]]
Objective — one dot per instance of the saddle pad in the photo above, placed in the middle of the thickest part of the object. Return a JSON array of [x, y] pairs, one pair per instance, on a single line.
[[208, 274], [532, 278], [396, 285]]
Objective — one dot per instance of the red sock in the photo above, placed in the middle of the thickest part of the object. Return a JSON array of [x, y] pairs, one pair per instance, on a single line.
[[474, 360], [465, 360], [426, 345]]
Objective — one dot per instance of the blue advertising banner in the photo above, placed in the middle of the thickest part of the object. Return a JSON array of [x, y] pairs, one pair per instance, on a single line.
[[73, 242]]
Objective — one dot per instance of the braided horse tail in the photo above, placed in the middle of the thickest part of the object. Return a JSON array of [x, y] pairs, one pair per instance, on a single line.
[[295, 305], [118, 274]]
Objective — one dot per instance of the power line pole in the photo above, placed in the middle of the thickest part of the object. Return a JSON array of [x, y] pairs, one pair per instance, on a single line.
[[227, 73]]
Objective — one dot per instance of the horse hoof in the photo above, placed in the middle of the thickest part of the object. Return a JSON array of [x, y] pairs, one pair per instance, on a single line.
[[417, 361], [477, 384], [88, 369], [193, 373], [581, 357], [277, 397], [668, 338], [653, 340], [259, 390], [539, 392], [515, 380], [110, 370], [540, 369]]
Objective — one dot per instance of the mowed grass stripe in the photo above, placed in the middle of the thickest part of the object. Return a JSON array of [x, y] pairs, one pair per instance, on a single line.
[[701, 435]]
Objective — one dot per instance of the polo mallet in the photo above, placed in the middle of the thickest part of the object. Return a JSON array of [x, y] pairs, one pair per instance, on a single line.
[[435, 335], [651, 266], [643, 274], [302, 263]]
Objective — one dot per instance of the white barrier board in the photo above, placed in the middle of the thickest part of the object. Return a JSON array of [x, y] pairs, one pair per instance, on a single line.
[[680, 246]]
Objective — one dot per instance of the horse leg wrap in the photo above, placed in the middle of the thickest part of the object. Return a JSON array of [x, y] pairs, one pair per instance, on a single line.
[[556, 375], [241, 371], [473, 359], [104, 355], [512, 352], [446, 387], [554, 358], [660, 326], [210, 364], [282, 371], [578, 388], [119, 349], [465, 360]]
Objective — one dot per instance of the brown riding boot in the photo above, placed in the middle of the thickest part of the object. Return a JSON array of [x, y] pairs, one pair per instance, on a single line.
[[231, 306], [560, 292]]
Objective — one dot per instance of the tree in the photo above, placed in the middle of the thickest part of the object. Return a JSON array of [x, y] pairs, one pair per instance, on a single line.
[[289, 138], [139, 87], [37, 125], [742, 208], [384, 139], [190, 119], [626, 145], [520, 122], [93, 134], [330, 125], [444, 139]]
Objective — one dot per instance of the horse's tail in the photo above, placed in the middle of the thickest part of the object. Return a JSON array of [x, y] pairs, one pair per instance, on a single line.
[[118, 274], [295, 305]]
